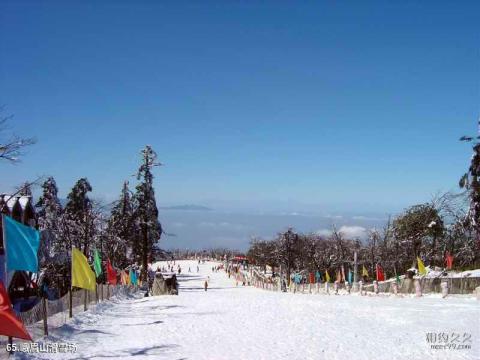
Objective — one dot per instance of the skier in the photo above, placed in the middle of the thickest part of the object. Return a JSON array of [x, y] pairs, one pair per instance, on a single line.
[[206, 285], [198, 269], [189, 269]]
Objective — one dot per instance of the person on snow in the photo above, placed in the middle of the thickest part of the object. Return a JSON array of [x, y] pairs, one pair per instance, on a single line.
[[206, 285]]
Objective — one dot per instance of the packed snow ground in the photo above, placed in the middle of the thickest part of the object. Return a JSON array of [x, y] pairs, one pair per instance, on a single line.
[[230, 322]]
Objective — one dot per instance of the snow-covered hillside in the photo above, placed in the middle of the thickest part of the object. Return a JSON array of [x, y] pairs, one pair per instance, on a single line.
[[230, 322]]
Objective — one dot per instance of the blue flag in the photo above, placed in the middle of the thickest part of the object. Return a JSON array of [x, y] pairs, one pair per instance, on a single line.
[[2, 269], [350, 276], [133, 277], [21, 245]]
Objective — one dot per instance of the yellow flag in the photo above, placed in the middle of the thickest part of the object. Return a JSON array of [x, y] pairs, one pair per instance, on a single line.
[[421, 267], [125, 278], [327, 276], [124, 282], [364, 271], [82, 275]]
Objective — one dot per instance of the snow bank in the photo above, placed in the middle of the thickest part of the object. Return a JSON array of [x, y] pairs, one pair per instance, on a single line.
[[237, 322]]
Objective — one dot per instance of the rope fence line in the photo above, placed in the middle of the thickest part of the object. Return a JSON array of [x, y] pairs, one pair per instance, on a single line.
[[51, 314], [417, 285]]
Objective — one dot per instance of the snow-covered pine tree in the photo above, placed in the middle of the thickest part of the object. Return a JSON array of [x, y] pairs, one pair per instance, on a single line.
[[471, 182], [49, 211], [146, 212], [79, 219], [120, 232]]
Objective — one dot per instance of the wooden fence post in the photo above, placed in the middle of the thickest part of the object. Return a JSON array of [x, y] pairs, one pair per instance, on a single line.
[[101, 287], [70, 312], [85, 294], [96, 293], [45, 315], [108, 291], [418, 287]]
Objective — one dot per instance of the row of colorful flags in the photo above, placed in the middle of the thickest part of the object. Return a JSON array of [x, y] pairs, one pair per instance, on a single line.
[[21, 247], [379, 272], [83, 277]]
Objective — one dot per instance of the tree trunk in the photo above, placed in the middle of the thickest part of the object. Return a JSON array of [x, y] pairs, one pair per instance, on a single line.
[[143, 275], [434, 245]]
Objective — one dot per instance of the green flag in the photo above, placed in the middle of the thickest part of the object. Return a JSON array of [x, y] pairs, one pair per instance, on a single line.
[[97, 263], [397, 278]]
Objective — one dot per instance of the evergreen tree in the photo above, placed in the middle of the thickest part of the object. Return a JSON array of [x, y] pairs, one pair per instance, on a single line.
[[79, 218], [471, 182], [120, 232], [146, 212], [49, 211]]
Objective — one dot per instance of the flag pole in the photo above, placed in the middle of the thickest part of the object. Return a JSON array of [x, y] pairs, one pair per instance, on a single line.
[[4, 231], [355, 270], [70, 295]]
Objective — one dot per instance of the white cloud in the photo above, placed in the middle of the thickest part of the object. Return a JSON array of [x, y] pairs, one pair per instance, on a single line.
[[350, 232], [353, 232], [324, 232]]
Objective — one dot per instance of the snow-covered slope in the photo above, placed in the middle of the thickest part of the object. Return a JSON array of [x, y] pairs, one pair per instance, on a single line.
[[230, 322]]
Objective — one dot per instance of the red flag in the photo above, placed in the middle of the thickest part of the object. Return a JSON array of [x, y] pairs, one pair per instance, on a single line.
[[10, 325], [380, 273], [449, 260], [312, 278], [111, 274]]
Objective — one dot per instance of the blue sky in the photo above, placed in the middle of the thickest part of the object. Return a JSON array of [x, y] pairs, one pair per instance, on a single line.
[[272, 105]]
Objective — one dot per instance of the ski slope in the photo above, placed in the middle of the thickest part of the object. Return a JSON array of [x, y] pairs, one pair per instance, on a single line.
[[230, 322]]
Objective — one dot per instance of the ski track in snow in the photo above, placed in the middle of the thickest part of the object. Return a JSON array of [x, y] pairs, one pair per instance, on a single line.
[[230, 322]]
